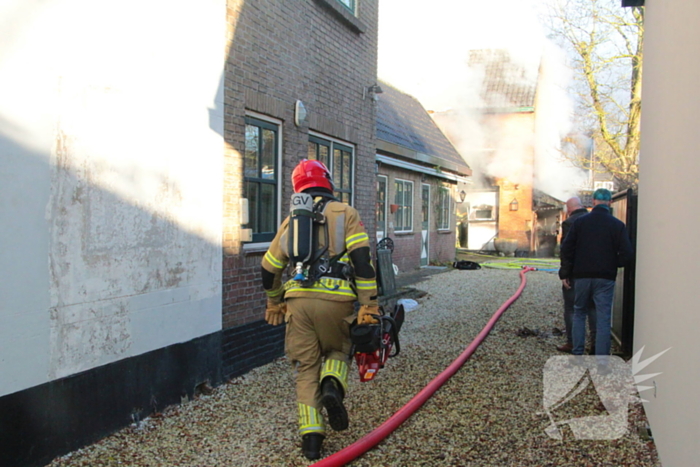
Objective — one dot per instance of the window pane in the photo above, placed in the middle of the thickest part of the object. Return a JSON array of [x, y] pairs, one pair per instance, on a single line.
[[347, 169], [398, 199], [408, 198], [311, 154], [267, 208], [337, 168], [323, 155], [251, 192], [268, 154], [250, 161]]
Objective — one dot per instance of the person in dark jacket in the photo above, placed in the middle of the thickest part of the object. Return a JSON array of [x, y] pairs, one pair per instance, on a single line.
[[593, 249], [574, 210]]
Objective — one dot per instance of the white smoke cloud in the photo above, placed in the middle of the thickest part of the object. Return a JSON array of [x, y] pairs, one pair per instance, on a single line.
[[425, 52], [553, 173]]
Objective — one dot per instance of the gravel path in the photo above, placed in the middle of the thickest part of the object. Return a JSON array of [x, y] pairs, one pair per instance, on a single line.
[[488, 414]]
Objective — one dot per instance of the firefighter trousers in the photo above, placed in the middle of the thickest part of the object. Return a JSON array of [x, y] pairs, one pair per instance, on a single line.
[[317, 330]]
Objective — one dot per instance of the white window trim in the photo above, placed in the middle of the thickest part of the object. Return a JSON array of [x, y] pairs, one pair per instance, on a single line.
[[354, 158], [258, 246], [413, 205], [448, 200]]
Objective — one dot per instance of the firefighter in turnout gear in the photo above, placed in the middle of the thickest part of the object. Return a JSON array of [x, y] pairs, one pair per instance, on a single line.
[[324, 243]]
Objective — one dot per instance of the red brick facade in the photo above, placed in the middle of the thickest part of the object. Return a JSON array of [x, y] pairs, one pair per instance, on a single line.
[[279, 52], [517, 225]]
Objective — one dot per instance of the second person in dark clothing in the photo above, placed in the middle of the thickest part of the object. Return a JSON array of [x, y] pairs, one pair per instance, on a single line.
[[594, 248], [574, 210]]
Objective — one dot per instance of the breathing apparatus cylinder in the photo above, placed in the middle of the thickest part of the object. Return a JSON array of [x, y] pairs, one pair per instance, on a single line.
[[301, 232]]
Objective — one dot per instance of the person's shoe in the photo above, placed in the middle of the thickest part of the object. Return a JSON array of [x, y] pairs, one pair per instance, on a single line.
[[332, 400], [311, 445], [567, 348]]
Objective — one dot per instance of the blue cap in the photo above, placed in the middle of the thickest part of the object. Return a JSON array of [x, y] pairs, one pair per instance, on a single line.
[[601, 194]]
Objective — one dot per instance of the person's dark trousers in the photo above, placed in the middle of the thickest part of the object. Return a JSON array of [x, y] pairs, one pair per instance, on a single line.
[[601, 291], [569, 295]]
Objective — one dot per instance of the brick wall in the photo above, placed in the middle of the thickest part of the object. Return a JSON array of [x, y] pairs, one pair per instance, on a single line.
[[515, 224], [407, 246], [280, 52]]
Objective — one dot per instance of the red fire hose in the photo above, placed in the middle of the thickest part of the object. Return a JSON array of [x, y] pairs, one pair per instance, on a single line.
[[370, 440]]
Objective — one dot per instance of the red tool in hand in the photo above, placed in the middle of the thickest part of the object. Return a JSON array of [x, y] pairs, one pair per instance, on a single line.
[[372, 344]]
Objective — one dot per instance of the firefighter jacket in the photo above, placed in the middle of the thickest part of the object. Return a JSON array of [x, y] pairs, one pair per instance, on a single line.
[[345, 233]]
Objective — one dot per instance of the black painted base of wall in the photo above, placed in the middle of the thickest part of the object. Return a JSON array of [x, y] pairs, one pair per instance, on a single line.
[[42, 422], [250, 346]]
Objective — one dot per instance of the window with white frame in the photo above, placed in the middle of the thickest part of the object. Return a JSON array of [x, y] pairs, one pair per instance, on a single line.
[[443, 218], [338, 157], [608, 185], [260, 177], [403, 198]]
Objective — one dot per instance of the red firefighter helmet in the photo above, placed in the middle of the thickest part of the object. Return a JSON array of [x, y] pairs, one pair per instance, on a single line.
[[311, 174]]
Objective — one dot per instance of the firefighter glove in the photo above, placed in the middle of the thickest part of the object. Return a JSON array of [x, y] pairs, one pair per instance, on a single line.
[[274, 313], [368, 314]]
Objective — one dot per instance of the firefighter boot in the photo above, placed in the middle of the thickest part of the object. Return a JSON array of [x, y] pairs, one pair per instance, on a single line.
[[311, 445], [332, 400], [311, 430]]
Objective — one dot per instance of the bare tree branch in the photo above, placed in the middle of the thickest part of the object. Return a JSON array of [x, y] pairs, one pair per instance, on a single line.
[[605, 42]]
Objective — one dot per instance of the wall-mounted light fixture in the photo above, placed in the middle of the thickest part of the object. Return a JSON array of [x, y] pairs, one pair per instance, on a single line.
[[299, 113], [372, 92], [513, 205], [462, 195]]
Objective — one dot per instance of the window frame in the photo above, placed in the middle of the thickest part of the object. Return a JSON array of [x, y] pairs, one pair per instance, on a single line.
[[256, 212], [443, 210], [403, 207], [345, 181], [352, 7], [607, 184]]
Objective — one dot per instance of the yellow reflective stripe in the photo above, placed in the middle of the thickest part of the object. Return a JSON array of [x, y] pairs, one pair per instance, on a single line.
[[357, 238], [365, 285], [273, 261], [338, 369], [323, 285], [310, 420], [275, 293], [345, 258]]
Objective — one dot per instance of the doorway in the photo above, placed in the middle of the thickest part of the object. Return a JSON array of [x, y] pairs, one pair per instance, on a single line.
[[425, 224]]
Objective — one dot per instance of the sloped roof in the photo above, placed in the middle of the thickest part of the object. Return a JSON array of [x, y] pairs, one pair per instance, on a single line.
[[542, 200], [406, 126], [507, 85]]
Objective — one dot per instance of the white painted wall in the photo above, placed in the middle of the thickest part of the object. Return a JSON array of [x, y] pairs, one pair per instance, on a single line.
[[111, 150], [668, 256]]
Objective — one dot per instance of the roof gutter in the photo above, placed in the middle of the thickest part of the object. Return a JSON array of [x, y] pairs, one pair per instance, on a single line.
[[419, 168]]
